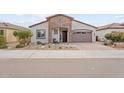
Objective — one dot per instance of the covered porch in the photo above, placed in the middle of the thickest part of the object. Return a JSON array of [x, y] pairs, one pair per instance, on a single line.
[[60, 34]]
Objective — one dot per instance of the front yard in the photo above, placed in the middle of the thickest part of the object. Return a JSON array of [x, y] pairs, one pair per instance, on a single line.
[[64, 46]]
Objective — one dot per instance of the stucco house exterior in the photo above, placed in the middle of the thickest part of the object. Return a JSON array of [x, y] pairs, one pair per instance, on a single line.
[[7, 29], [62, 28], [102, 30]]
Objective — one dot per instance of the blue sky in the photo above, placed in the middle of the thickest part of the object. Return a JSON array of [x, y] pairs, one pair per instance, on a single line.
[[93, 19]]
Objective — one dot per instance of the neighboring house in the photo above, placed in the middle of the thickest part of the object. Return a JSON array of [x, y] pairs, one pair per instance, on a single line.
[[7, 30], [102, 30], [62, 28]]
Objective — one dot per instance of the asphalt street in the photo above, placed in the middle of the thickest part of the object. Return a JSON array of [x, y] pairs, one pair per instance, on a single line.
[[62, 68]]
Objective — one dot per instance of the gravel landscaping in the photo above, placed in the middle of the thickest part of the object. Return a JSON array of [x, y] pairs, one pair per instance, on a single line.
[[65, 46], [118, 45]]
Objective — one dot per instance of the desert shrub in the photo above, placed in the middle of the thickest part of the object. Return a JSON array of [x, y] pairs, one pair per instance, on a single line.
[[23, 37], [2, 42], [43, 43], [38, 42], [108, 36], [49, 46], [60, 47], [115, 36], [3, 46], [108, 42], [19, 46]]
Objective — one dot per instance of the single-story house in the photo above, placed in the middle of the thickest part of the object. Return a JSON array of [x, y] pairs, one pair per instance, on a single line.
[[7, 30], [103, 30], [62, 28]]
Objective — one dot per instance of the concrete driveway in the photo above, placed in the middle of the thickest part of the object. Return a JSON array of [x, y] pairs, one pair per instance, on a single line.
[[92, 46]]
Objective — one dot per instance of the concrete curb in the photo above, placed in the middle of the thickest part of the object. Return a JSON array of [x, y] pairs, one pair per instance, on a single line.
[[36, 54]]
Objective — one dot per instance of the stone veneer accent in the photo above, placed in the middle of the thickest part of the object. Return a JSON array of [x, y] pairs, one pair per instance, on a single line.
[[60, 21]]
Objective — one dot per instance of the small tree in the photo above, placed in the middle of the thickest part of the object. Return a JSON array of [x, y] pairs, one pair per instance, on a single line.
[[108, 36], [2, 42], [23, 37]]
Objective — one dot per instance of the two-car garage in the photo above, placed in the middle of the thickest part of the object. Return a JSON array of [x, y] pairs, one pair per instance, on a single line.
[[82, 32], [82, 36]]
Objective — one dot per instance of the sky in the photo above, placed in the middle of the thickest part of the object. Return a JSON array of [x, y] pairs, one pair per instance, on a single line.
[[93, 19]]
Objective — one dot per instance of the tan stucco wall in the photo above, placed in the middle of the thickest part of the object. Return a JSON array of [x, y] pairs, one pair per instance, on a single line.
[[10, 38]]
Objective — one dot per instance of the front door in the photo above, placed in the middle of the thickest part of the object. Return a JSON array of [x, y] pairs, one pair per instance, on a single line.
[[64, 36]]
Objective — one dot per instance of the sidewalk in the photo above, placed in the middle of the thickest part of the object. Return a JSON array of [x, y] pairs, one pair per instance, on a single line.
[[61, 54]]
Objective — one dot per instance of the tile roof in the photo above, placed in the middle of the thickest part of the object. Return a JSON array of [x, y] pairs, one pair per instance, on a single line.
[[60, 15], [12, 26], [111, 26]]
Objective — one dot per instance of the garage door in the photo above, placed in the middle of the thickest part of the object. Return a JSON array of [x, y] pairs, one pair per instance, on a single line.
[[82, 37]]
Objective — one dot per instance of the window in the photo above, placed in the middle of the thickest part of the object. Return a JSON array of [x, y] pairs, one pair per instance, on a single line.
[[55, 31], [77, 33], [40, 33], [1, 32]]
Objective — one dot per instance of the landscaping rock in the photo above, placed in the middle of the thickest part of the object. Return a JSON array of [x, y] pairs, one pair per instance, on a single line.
[[119, 44]]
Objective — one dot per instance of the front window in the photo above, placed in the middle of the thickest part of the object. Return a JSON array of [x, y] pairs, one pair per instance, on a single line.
[[1, 32], [40, 33], [55, 31]]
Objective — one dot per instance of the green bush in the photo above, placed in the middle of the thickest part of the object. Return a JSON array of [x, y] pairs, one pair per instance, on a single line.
[[3, 46], [19, 46], [2, 42], [23, 37], [38, 42], [115, 36], [49, 46]]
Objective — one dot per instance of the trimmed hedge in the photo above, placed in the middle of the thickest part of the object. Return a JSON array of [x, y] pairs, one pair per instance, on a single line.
[[115, 36], [3, 46]]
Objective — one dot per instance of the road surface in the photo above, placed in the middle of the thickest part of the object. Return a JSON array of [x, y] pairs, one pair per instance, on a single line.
[[62, 68]]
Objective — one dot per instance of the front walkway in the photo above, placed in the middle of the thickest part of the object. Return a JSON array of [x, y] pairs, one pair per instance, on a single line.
[[61, 54]]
